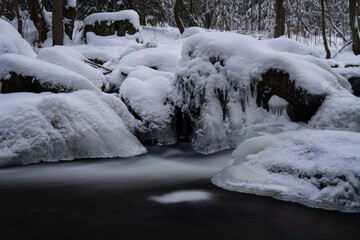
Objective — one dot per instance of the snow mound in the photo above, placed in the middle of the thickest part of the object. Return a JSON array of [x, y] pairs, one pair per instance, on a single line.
[[182, 196], [165, 58], [12, 42], [146, 92], [47, 74], [188, 32], [218, 87], [110, 17], [290, 46], [71, 59], [316, 168], [51, 127]]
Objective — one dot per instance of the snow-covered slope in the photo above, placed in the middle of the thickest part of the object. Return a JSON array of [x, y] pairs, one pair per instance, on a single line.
[[317, 168], [51, 127]]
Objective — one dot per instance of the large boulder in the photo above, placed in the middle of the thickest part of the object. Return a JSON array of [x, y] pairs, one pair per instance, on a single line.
[[110, 23], [230, 87], [23, 74]]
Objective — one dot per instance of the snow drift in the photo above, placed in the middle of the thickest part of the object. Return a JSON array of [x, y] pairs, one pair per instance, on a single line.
[[51, 127], [317, 168]]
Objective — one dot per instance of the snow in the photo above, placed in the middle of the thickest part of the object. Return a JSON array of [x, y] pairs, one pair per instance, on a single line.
[[51, 127], [188, 32], [277, 104], [46, 73], [130, 15], [146, 91], [215, 79], [71, 59], [283, 44], [12, 42], [164, 58], [182, 196], [317, 168]]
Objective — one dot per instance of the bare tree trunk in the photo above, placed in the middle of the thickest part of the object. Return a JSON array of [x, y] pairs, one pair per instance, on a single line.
[[178, 21], [353, 14], [328, 54], [69, 19], [280, 18], [57, 22], [259, 17], [37, 16], [16, 5]]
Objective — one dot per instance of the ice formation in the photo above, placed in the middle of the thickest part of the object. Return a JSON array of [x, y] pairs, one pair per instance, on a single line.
[[218, 88], [71, 59], [182, 196], [12, 42], [47, 74], [52, 127], [317, 168]]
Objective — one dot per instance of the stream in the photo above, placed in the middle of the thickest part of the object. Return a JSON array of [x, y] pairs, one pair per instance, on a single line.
[[165, 194]]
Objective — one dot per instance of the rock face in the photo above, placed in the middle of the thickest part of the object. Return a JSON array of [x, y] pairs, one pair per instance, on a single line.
[[302, 104], [120, 23], [355, 84]]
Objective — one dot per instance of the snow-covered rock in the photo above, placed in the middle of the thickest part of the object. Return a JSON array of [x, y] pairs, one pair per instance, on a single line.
[[21, 74], [71, 59], [317, 168], [12, 42], [51, 127], [188, 32], [146, 91], [225, 82], [108, 23]]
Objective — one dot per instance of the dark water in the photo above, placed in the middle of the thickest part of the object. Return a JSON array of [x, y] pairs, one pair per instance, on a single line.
[[108, 199]]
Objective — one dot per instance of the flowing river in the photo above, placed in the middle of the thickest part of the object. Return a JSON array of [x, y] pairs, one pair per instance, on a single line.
[[165, 194]]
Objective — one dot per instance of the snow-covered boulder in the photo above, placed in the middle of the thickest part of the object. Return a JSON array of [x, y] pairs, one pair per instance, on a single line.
[[188, 32], [51, 127], [23, 74], [317, 168], [71, 59], [145, 91], [110, 23], [12, 42], [225, 82]]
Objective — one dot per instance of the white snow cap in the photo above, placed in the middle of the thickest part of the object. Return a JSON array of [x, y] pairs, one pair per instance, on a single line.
[[317, 168], [51, 127], [130, 15], [12, 42], [71, 59], [44, 72]]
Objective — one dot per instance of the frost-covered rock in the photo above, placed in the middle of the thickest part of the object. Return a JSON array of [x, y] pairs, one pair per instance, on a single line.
[[317, 168], [23, 74], [52, 127], [225, 82], [12, 42], [71, 59], [145, 91], [110, 23]]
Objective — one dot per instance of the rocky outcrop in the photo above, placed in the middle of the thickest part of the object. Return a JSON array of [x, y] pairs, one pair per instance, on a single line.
[[302, 104]]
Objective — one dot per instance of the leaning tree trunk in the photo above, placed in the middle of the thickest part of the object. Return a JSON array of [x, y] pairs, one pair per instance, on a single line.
[[178, 21], [280, 18], [37, 16], [16, 6], [57, 23], [69, 18], [353, 14], [323, 27]]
